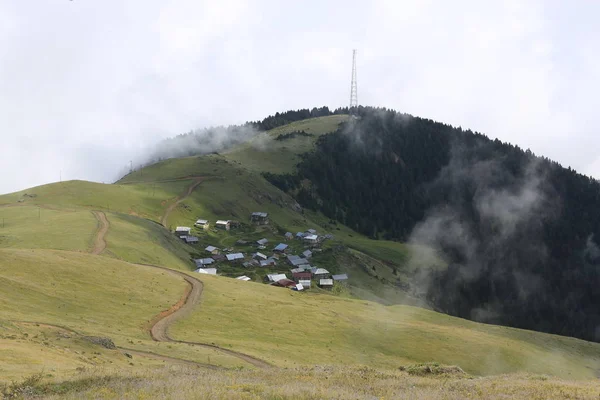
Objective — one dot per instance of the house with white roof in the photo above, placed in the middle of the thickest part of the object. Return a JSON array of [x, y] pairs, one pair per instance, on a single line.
[[202, 223], [208, 271], [311, 238], [276, 277], [212, 250], [326, 283], [222, 224], [183, 231]]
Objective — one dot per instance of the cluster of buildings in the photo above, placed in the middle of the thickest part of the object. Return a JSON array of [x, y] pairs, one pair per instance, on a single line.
[[301, 273], [185, 232]]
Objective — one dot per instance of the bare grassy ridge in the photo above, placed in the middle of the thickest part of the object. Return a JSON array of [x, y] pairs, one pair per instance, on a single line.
[[319, 382]]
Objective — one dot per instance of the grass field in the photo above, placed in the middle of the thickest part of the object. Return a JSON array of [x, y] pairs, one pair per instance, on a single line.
[[92, 295], [107, 296], [38, 228], [146, 242], [295, 329], [348, 383]]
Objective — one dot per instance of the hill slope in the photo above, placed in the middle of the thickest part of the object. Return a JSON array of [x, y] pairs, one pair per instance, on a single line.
[[54, 300], [518, 232]]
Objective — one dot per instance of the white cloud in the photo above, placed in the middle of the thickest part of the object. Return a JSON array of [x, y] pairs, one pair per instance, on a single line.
[[105, 78]]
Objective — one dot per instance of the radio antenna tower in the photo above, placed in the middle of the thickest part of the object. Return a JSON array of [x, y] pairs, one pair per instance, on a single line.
[[353, 90]]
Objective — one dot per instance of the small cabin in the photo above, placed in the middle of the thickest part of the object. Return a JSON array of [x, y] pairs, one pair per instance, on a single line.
[[183, 231], [202, 224], [288, 236], [311, 238], [281, 248], [212, 250], [305, 283], [235, 257], [326, 283], [259, 218], [222, 224], [321, 273], [191, 240]]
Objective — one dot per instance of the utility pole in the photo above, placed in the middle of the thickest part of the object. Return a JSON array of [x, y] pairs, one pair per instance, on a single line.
[[353, 88]]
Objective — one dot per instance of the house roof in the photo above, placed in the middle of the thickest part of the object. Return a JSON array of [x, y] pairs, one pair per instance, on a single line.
[[260, 214], [202, 222], [262, 241], [280, 247], [299, 287], [307, 253], [304, 282], [235, 256], [320, 271], [276, 277], [261, 255], [296, 270], [311, 237], [300, 234], [340, 277], [183, 229], [313, 231], [244, 278], [222, 222], [209, 271], [210, 248], [266, 263], [204, 261], [325, 282], [299, 261], [288, 234], [191, 239], [286, 282]]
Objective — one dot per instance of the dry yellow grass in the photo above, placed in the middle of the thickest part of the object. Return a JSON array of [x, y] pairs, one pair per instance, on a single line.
[[319, 382]]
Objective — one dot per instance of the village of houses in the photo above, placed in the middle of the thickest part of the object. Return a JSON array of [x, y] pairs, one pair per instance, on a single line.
[[272, 255]]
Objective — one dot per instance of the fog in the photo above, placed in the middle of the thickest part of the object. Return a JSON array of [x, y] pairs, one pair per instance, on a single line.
[[85, 87]]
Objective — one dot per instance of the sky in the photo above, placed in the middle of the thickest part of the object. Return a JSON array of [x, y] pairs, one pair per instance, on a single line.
[[86, 86]]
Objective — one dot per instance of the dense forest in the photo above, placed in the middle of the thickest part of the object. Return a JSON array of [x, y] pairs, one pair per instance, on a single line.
[[518, 232]]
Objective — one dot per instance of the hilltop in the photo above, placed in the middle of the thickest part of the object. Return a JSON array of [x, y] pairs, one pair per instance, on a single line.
[[100, 296]]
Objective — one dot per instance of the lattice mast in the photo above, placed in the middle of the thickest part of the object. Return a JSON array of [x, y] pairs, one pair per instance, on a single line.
[[353, 89]]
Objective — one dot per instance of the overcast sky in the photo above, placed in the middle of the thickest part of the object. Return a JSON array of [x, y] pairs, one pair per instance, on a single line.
[[86, 84]]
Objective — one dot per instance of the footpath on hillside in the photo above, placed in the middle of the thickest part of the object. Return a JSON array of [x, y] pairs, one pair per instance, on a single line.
[[197, 181], [159, 325]]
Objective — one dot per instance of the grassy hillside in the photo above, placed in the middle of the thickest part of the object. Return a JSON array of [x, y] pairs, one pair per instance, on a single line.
[[53, 296], [91, 295], [298, 329], [35, 227]]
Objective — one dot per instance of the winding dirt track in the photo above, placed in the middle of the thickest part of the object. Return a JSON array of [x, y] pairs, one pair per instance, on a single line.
[[124, 350], [198, 180], [99, 240], [159, 325]]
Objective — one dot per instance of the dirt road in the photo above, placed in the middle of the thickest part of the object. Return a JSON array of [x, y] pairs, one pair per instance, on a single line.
[[198, 180], [99, 240], [123, 350], [160, 324]]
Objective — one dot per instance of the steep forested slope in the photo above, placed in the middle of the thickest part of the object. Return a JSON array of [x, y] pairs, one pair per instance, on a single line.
[[518, 231]]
